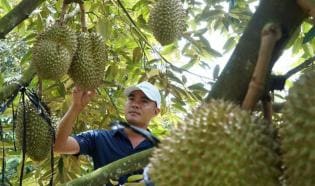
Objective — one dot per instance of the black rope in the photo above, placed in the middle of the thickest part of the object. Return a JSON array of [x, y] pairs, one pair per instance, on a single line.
[[3, 155], [43, 111], [4, 105], [24, 134], [13, 125], [146, 134]]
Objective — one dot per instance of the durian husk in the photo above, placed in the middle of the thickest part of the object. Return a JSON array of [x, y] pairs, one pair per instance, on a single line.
[[297, 132], [38, 133], [219, 145], [53, 51], [87, 69], [167, 21]]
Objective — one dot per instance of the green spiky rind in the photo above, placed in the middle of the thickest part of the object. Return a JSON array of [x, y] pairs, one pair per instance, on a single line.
[[220, 145], [62, 35], [88, 65], [51, 60], [38, 134], [53, 51], [167, 21], [297, 132]]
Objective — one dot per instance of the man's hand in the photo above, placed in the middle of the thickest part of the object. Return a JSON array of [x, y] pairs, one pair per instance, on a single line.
[[81, 98]]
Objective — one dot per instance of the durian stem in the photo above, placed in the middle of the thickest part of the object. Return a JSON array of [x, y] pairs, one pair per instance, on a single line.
[[308, 6], [83, 20], [63, 13], [267, 108], [270, 34]]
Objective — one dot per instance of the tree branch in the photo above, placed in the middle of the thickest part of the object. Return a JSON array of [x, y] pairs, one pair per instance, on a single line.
[[13, 88], [270, 34], [114, 170], [233, 82], [307, 63], [17, 15]]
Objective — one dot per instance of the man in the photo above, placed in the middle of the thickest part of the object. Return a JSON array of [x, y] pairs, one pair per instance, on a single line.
[[106, 146]]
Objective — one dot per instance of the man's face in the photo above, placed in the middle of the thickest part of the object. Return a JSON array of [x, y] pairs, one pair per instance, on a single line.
[[139, 109]]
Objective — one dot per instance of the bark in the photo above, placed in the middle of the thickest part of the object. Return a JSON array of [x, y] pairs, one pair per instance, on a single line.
[[12, 88], [114, 170], [233, 82], [17, 15]]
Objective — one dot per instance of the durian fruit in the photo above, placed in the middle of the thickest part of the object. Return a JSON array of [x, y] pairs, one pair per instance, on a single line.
[[53, 51], [219, 145], [88, 65], [167, 20], [38, 133], [297, 132]]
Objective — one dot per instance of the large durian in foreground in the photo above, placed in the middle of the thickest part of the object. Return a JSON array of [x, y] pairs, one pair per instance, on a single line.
[[38, 133], [298, 132], [88, 65], [219, 145], [53, 51], [167, 20]]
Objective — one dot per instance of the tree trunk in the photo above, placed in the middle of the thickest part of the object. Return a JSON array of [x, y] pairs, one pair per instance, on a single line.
[[233, 82]]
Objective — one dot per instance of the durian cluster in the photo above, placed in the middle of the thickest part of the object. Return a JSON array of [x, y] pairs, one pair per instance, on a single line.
[[167, 20], [38, 136], [220, 145], [58, 51]]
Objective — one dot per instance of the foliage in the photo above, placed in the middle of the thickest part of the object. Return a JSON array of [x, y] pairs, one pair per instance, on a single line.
[[134, 55]]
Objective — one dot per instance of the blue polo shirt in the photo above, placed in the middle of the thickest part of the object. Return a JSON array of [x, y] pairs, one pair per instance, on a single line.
[[106, 146]]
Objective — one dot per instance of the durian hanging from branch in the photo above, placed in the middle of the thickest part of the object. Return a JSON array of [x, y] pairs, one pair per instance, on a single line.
[[87, 69], [53, 50], [167, 20]]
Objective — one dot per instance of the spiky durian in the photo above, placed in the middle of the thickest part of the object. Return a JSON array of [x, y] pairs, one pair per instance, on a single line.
[[167, 20], [298, 132], [220, 145], [53, 51], [88, 65], [38, 133]]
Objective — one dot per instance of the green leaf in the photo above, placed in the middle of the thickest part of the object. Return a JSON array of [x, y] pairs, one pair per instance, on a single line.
[[173, 77], [6, 5], [309, 35], [104, 27], [216, 71], [229, 44], [190, 64], [134, 178], [137, 54], [198, 86]]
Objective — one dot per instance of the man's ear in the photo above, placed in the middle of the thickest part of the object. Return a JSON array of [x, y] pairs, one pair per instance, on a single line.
[[157, 111]]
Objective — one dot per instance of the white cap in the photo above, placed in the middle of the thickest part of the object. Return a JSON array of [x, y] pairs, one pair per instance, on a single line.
[[148, 89]]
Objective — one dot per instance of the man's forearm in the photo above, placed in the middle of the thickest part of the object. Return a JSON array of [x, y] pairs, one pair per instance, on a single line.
[[64, 128]]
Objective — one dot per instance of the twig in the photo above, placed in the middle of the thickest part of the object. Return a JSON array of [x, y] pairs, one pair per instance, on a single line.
[[300, 67], [270, 34], [83, 20], [267, 108]]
